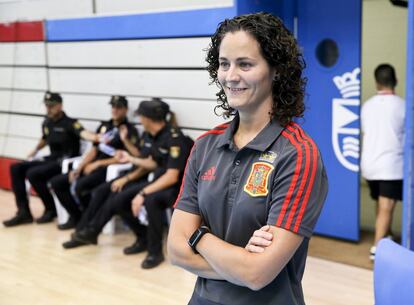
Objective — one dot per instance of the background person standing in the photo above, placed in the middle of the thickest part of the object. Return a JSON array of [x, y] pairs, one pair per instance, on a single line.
[[382, 120]]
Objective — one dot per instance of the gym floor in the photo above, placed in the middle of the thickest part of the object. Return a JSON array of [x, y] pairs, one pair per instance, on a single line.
[[35, 269]]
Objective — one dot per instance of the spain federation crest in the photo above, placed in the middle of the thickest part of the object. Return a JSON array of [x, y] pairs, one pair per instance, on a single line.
[[258, 180]]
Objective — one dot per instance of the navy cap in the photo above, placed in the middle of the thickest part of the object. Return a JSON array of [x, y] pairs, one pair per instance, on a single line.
[[155, 109], [118, 101], [52, 98]]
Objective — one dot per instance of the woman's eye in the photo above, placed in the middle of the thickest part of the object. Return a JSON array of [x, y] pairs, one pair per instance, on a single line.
[[245, 65], [224, 64]]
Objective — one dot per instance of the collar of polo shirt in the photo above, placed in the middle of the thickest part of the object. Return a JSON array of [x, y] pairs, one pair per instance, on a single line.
[[261, 142]]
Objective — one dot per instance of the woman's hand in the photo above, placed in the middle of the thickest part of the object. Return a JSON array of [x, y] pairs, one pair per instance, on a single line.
[[260, 239]]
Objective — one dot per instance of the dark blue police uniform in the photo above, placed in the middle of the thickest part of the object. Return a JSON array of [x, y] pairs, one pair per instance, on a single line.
[[63, 137], [85, 184], [169, 149]]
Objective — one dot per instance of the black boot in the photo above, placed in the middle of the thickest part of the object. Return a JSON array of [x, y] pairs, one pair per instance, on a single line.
[[19, 219], [137, 247], [70, 224], [87, 236], [73, 244], [47, 217], [152, 261]]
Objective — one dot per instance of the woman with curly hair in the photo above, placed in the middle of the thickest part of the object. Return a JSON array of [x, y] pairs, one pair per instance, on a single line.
[[254, 187]]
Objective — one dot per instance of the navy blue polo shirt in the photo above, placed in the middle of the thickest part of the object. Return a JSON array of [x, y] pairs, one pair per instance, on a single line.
[[277, 179]]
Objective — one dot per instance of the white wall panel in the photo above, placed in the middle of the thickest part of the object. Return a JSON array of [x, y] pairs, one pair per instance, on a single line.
[[25, 126], [2, 145], [23, 78], [196, 114], [4, 121], [87, 106], [28, 102], [19, 148], [22, 53], [139, 53], [90, 125], [189, 113], [30, 78], [5, 100], [9, 11], [7, 53], [133, 6], [41, 9], [170, 83], [30, 53], [6, 77]]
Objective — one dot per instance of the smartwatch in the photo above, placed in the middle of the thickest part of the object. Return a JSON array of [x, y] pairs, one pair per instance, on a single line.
[[197, 235]]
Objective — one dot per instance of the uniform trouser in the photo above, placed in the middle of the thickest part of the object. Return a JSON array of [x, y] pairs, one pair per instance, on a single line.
[[156, 204], [85, 185], [38, 173], [104, 204]]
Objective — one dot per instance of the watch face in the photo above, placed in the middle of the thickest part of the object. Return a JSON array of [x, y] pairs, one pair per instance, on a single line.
[[195, 236]]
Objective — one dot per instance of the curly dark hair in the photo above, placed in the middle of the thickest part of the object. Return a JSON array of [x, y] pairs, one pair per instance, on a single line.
[[280, 50]]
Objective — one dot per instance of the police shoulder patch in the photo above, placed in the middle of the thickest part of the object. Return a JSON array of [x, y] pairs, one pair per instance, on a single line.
[[77, 125], [175, 151], [46, 130], [257, 183]]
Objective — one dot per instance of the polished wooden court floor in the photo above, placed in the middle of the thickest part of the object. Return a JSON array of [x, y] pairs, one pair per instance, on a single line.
[[35, 269]]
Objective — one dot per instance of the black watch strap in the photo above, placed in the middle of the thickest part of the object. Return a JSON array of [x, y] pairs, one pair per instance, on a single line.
[[196, 237]]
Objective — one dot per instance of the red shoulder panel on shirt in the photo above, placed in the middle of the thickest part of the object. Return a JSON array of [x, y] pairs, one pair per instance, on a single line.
[[183, 180], [303, 177], [216, 130]]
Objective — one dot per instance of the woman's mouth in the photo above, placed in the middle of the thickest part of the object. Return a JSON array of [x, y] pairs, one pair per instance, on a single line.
[[236, 90]]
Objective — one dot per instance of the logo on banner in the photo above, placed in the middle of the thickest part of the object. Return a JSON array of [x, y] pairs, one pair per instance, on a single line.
[[345, 119]]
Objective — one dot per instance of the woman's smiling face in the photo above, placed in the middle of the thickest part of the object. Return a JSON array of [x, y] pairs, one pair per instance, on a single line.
[[243, 72]]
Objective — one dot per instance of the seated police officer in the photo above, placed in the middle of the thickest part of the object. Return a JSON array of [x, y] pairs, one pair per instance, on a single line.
[[153, 200], [116, 134], [164, 151], [62, 134]]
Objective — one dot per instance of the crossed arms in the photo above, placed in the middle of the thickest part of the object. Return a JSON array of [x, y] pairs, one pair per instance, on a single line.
[[254, 266]]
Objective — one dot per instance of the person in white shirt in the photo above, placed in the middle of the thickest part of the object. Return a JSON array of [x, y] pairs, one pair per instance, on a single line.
[[382, 119]]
